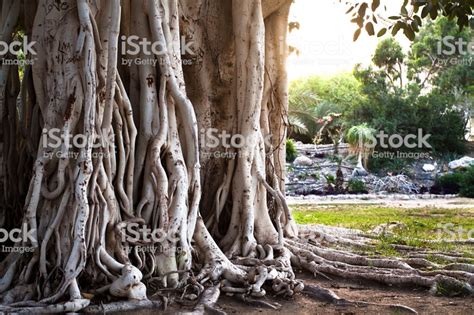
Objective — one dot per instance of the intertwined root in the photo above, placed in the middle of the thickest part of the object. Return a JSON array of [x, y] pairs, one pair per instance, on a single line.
[[329, 252], [338, 259], [334, 256], [271, 270]]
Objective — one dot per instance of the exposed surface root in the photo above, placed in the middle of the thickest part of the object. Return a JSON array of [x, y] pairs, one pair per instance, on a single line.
[[67, 307], [207, 302], [328, 296], [313, 254], [124, 306], [258, 303]]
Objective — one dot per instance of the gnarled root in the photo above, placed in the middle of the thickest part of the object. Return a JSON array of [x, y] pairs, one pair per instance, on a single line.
[[128, 284], [452, 279]]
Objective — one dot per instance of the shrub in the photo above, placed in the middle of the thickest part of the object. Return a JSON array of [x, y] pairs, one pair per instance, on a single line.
[[450, 183], [467, 183], [355, 186], [291, 152], [384, 165]]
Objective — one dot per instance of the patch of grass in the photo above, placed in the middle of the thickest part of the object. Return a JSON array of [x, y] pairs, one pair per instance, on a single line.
[[417, 225]]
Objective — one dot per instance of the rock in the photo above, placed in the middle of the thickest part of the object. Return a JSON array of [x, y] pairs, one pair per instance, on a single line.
[[359, 172], [303, 161], [429, 167], [305, 190], [461, 163]]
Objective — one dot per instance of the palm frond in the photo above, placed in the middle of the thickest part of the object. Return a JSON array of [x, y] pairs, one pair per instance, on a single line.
[[297, 125]]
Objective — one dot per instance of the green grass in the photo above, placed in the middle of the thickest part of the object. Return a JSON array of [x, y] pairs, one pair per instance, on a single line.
[[418, 224]]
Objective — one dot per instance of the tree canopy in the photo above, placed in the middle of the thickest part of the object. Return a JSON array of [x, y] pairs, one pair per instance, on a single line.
[[371, 14]]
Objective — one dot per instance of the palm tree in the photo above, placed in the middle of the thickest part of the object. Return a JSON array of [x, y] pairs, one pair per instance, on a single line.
[[361, 139], [296, 125], [301, 114]]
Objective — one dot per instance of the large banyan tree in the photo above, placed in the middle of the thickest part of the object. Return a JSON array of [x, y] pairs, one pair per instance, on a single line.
[[110, 163]]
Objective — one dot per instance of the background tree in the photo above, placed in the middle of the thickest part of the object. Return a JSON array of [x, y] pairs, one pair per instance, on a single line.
[[389, 56], [436, 60], [436, 89]]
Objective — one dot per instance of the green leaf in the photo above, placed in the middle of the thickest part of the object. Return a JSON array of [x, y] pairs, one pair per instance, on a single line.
[[369, 27], [396, 28], [362, 9], [357, 34], [358, 20], [375, 4], [416, 7], [403, 11], [463, 21], [408, 31], [418, 20], [425, 11], [382, 32]]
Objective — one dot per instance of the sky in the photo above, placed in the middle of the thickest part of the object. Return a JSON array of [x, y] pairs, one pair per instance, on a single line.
[[325, 39]]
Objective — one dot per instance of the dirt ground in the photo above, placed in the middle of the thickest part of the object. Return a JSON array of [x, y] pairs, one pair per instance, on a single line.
[[418, 299]]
